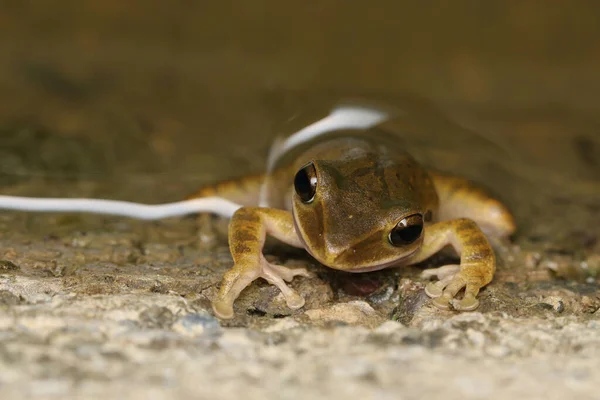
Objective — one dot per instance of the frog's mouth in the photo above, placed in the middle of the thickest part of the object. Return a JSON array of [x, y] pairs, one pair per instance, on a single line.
[[394, 263], [369, 268]]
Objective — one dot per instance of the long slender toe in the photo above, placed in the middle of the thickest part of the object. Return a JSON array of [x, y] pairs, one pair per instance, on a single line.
[[469, 301], [294, 300], [441, 272], [442, 303], [234, 281], [275, 277], [434, 289], [223, 309], [465, 304], [288, 274]]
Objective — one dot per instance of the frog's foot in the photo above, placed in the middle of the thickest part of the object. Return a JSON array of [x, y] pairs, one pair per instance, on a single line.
[[440, 272], [451, 281], [243, 274]]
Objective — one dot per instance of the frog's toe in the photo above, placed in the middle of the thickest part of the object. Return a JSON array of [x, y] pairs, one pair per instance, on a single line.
[[288, 274], [234, 281], [467, 303], [294, 300], [441, 272], [443, 303], [243, 273], [436, 289], [223, 309], [277, 275], [444, 292], [440, 298]]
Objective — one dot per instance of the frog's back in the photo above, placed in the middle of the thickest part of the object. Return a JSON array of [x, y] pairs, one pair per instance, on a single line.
[[372, 160]]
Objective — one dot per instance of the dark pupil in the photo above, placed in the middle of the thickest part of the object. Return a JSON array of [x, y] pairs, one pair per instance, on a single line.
[[405, 234], [305, 183]]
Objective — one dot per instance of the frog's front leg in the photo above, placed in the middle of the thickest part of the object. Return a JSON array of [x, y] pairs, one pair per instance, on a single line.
[[247, 233], [477, 263]]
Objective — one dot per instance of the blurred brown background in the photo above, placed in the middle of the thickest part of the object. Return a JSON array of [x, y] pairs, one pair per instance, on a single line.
[[158, 97]]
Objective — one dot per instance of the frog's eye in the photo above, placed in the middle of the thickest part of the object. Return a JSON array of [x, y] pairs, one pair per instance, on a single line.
[[305, 183], [407, 231]]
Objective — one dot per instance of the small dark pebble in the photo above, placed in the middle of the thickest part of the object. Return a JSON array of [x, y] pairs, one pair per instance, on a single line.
[[545, 306], [256, 312], [559, 307]]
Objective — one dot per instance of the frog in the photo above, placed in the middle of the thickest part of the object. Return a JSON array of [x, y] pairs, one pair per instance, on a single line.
[[357, 201]]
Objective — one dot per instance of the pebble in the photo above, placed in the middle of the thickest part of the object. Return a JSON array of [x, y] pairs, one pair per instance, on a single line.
[[353, 313], [555, 302]]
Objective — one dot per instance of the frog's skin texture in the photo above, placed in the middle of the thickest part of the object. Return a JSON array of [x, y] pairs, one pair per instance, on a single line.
[[364, 186]]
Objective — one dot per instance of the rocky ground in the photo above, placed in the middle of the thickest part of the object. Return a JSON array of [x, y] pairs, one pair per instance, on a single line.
[[104, 307]]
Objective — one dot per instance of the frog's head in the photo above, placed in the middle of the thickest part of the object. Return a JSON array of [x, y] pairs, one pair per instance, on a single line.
[[359, 216]]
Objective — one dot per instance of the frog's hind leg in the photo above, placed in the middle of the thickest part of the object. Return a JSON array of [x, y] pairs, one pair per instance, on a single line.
[[247, 232], [477, 263], [244, 191], [460, 198]]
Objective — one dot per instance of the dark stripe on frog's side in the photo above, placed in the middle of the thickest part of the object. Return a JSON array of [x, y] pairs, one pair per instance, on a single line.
[[481, 253], [244, 190], [476, 241], [463, 227]]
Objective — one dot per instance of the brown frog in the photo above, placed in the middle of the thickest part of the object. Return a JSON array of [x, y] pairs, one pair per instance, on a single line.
[[357, 202]]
